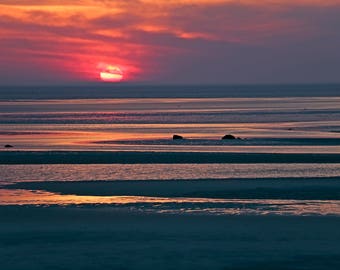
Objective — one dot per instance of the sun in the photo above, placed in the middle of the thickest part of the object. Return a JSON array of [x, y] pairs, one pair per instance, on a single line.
[[110, 73]]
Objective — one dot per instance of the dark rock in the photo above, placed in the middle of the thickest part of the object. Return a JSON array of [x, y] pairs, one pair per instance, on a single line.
[[228, 137], [177, 137], [8, 146]]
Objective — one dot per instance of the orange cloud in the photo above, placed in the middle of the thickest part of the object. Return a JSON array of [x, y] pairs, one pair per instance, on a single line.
[[74, 36]]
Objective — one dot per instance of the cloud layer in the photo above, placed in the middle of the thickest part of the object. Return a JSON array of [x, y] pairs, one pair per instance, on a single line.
[[174, 41]]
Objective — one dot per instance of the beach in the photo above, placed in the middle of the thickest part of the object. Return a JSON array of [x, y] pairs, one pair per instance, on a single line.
[[93, 183], [96, 238]]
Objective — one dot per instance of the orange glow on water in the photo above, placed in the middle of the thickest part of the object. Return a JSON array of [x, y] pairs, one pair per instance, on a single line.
[[160, 204]]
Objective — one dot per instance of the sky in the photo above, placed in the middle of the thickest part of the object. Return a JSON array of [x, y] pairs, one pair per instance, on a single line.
[[169, 41]]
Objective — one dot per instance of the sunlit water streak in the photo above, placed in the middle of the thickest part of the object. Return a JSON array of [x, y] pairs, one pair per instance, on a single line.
[[79, 172], [176, 205]]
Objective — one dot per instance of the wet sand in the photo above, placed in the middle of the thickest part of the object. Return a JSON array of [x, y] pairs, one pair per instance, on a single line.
[[104, 238], [271, 188], [129, 157]]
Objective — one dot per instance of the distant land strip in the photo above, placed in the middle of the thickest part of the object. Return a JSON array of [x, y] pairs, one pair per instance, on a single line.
[[104, 157]]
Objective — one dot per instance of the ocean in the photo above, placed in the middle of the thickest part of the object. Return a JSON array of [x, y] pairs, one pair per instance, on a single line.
[[107, 153]]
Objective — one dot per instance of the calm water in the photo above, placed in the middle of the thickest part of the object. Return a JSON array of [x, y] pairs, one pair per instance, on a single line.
[[95, 172], [268, 119], [264, 124]]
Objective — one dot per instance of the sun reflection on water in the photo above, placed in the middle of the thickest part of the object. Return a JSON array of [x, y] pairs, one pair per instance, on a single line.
[[161, 205]]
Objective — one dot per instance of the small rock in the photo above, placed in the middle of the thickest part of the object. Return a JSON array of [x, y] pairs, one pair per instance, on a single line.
[[8, 146], [228, 137], [177, 137]]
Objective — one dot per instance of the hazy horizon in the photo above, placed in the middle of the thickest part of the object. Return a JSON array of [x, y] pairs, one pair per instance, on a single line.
[[129, 90]]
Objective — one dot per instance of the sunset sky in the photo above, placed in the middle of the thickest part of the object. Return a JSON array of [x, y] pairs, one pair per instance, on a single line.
[[169, 41]]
